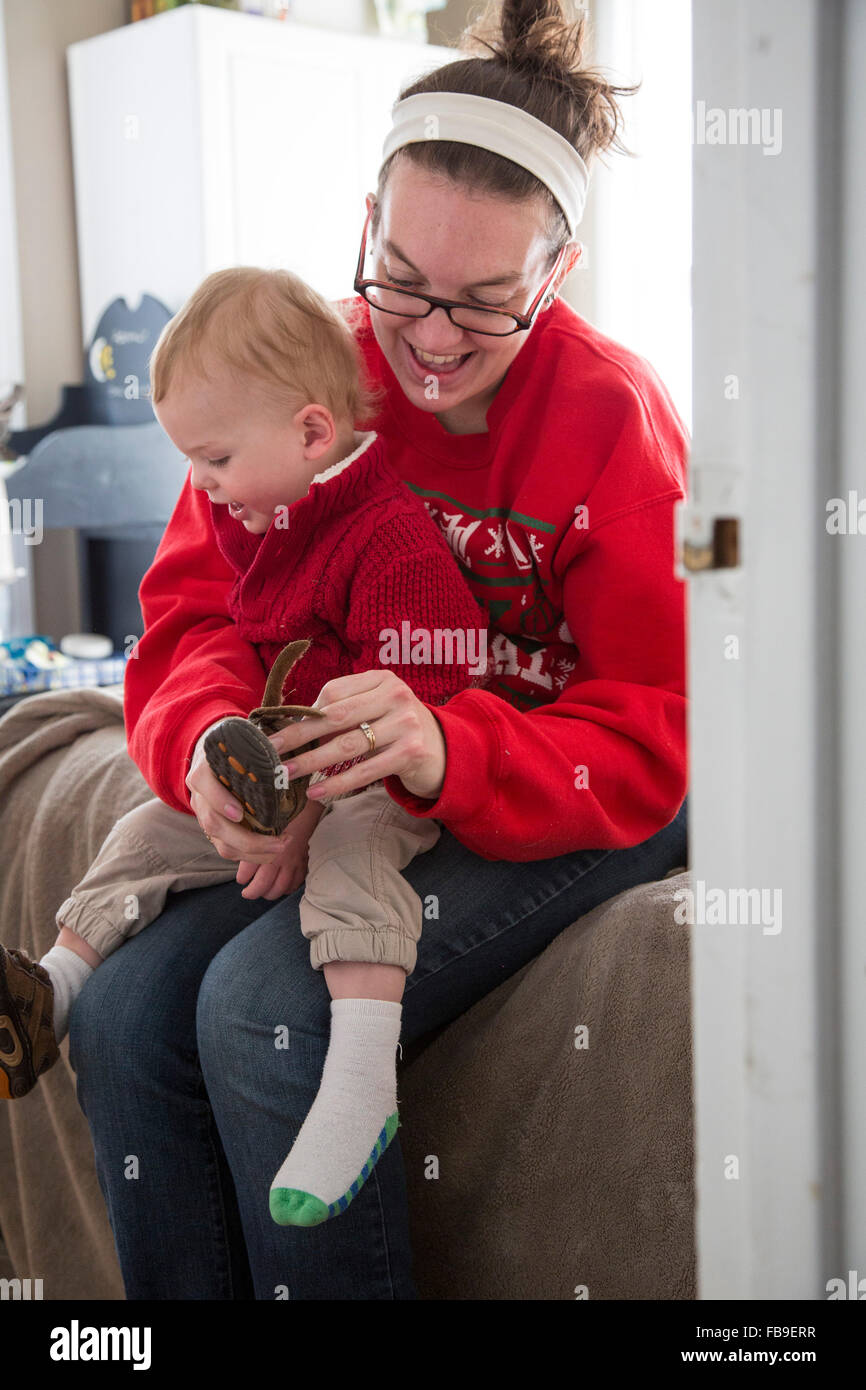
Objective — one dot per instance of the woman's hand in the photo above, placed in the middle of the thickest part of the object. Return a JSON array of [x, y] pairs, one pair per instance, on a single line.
[[288, 869], [218, 814], [409, 740]]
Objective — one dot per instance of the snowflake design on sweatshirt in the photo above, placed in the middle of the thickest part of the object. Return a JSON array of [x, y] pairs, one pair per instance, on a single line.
[[537, 545], [565, 668], [497, 549]]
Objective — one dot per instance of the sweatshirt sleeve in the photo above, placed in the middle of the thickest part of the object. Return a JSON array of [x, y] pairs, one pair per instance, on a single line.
[[191, 667], [604, 766]]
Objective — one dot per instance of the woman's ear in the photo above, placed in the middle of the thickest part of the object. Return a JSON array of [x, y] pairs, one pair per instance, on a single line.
[[572, 258]]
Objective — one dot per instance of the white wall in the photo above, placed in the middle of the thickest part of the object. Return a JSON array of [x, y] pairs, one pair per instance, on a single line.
[[640, 257], [49, 354], [37, 33], [11, 346]]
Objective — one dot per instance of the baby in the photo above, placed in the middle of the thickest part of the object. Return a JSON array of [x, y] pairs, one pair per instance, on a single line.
[[257, 379]]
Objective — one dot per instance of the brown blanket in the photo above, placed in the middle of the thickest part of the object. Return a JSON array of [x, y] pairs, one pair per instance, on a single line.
[[559, 1168], [65, 778]]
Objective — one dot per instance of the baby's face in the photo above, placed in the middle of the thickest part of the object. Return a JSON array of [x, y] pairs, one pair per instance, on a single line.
[[241, 455]]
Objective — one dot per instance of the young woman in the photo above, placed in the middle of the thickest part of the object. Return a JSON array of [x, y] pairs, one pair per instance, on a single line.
[[551, 457]]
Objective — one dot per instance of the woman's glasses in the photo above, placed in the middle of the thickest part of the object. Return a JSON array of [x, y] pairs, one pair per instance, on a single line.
[[495, 323]]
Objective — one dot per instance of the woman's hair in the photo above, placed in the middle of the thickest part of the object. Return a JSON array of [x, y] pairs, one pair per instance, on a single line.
[[534, 61], [271, 328]]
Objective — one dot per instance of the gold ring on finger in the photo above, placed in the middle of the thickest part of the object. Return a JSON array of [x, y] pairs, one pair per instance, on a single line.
[[371, 737]]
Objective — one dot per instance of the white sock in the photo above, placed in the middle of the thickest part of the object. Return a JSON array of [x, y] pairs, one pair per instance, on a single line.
[[68, 974], [352, 1120]]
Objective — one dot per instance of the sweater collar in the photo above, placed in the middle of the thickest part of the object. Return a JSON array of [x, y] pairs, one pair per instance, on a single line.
[[334, 492], [363, 440]]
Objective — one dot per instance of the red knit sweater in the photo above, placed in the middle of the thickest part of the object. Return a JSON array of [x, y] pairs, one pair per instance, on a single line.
[[561, 519], [351, 563]]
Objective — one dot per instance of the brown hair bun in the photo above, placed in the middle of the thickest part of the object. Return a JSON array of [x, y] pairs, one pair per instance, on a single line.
[[533, 58]]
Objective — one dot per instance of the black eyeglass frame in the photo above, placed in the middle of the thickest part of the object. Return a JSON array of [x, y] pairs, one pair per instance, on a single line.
[[523, 321]]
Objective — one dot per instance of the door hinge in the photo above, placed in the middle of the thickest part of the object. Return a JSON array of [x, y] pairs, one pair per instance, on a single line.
[[707, 543]]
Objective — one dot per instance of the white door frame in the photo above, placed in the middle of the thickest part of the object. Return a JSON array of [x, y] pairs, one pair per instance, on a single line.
[[849, 552], [778, 757]]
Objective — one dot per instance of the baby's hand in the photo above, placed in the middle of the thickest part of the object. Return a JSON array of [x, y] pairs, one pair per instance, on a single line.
[[288, 868]]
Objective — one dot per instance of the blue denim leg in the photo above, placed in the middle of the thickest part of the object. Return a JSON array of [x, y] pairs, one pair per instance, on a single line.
[[138, 1070], [264, 1019], [159, 1161]]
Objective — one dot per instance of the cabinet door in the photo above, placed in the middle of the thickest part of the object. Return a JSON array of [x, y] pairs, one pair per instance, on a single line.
[[204, 138], [135, 140], [294, 120]]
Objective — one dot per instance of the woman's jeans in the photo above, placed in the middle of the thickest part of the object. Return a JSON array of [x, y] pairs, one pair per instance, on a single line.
[[199, 1048]]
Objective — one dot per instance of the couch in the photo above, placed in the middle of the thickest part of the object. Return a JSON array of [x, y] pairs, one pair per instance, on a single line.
[[562, 1171]]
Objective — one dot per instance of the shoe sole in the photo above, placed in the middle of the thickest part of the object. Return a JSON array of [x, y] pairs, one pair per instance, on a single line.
[[245, 761]]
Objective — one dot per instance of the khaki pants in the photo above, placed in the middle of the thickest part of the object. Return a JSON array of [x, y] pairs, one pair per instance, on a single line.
[[356, 904]]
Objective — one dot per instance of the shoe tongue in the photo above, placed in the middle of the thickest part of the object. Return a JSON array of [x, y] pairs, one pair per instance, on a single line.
[[280, 670]]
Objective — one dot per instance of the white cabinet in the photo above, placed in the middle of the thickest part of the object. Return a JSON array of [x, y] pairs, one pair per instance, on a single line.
[[205, 138]]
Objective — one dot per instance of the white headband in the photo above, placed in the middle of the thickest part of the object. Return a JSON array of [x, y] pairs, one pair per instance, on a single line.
[[494, 125]]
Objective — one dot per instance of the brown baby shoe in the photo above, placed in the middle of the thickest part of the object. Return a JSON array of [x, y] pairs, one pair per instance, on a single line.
[[242, 756], [27, 1043]]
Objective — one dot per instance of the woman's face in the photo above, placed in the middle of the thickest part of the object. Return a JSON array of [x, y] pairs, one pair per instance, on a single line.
[[438, 237]]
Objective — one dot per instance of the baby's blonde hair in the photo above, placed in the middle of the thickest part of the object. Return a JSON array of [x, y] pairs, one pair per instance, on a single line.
[[270, 326]]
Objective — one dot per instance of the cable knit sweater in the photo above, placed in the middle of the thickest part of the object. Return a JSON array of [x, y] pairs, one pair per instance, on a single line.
[[357, 568]]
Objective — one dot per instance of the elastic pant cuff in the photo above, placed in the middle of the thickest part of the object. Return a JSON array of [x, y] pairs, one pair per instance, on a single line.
[[91, 926], [380, 947]]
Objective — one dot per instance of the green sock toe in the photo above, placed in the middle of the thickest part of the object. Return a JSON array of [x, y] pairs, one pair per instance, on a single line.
[[292, 1207]]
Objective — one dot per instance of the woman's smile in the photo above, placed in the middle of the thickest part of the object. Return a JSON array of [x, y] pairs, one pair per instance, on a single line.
[[423, 364]]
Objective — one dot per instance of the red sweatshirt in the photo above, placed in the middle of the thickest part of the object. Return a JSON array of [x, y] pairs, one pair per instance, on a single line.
[[561, 519]]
